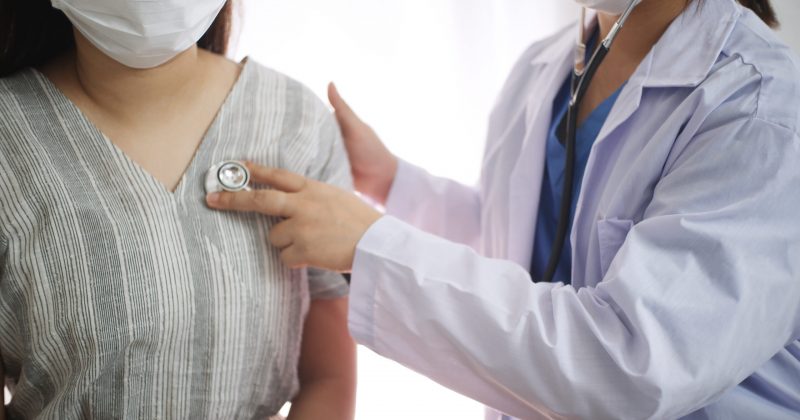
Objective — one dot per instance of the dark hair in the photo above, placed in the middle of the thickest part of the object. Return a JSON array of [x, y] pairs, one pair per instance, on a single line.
[[32, 32], [763, 9]]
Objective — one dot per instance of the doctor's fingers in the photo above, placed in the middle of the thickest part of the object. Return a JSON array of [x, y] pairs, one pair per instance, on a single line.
[[281, 235], [348, 119], [267, 202], [279, 179], [293, 258]]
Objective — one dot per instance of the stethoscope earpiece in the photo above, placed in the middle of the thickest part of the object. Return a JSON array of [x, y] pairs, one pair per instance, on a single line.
[[229, 176]]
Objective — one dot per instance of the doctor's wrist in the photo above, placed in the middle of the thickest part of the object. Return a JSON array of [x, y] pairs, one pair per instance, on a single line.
[[376, 182]]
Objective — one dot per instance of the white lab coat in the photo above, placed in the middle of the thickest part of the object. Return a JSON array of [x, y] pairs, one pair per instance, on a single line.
[[685, 299]]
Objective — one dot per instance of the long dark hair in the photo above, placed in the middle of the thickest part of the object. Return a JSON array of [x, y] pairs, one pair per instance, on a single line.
[[763, 9], [32, 33]]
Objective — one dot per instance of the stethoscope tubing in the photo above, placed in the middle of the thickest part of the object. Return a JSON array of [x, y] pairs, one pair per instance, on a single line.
[[581, 80]]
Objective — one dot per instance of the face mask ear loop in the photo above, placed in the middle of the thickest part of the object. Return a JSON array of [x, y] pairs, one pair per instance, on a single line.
[[580, 47], [580, 50]]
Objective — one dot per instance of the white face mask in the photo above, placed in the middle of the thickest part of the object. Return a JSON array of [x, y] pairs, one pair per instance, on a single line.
[[141, 33], [614, 7]]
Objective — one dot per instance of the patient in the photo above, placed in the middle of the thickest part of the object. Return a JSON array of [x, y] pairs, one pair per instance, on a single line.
[[121, 294]]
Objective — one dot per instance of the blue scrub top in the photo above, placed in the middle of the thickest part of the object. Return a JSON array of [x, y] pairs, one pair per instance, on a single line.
[[553, 180]]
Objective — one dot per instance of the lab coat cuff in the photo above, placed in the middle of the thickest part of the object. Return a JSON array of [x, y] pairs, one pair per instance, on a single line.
[[363, 284], [408, 182]]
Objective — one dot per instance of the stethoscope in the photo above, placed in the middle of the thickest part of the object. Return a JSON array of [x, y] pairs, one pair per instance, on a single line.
[[230, 175], [582, 76]]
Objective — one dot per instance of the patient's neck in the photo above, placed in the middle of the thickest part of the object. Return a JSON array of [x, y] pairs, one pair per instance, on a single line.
[[113, 86]]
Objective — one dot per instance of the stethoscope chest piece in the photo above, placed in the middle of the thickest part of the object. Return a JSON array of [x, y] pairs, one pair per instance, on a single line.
[[230, 176]]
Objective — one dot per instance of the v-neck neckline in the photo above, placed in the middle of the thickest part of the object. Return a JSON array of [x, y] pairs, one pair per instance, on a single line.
[[101, 139]]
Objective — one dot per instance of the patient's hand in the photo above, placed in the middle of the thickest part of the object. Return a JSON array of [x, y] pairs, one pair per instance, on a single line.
[[322, 223], [373, 165]]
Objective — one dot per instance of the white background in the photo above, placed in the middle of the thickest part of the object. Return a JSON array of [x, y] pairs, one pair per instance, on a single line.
[[789, 14], [424, 73]]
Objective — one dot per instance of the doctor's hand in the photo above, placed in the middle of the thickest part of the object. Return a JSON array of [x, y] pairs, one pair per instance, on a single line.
[[322, 224], [373, 165]]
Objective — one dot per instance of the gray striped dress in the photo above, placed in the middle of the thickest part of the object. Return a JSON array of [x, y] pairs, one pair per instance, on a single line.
[[120, 299]]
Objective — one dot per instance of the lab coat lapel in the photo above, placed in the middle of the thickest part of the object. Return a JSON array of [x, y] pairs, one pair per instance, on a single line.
[[627, 104], [662, 67], [665, 66], [551, 67]]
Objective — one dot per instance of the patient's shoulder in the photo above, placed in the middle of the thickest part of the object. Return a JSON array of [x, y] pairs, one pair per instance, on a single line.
[[276, 90], [22, 97], [281, 110], [19, 86]]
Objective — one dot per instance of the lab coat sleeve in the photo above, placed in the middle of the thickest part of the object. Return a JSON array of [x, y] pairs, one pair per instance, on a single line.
[[703, 291], [436, 205]]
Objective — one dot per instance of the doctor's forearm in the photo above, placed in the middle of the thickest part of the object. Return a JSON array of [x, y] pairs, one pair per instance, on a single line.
[[436, 205], [646, 342], [480, 327]]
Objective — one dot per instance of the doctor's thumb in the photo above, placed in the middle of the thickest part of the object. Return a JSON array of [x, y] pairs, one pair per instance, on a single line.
[[373, 165], [347, 118]]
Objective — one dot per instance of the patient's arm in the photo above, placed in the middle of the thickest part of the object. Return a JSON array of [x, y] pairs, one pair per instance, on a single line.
[[3, 382], [327, 365]]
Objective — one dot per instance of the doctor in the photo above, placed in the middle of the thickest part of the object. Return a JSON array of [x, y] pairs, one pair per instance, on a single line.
[[677, 293]]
